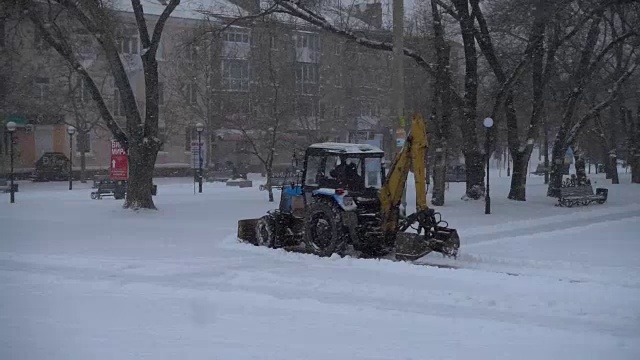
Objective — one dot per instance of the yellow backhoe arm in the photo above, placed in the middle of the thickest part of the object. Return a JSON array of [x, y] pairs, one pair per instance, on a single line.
[[411, 157]]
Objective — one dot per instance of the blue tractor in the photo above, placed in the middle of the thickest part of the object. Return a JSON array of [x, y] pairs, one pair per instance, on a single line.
[[343, 202], [319, 211]]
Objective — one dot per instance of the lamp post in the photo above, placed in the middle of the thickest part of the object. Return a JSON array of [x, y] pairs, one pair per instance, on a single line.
[[199, 129], [488, 123], [11, 127], [71, 130]]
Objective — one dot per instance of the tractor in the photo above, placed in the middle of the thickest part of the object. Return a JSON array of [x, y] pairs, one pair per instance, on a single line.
[[344, 201]]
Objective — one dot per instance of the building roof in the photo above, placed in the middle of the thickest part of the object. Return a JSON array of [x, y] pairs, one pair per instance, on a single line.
[[192, 9], [347, 148], [187, 9]]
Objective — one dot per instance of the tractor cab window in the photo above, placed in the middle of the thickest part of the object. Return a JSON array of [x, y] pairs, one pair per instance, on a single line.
[[314, 170], [373, 172]]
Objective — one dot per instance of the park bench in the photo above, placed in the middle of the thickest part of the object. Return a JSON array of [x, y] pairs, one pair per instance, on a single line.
[[116, 189], [107, 187], [280, 178], [224, 175], [572, 195], [97, 179], [5, 186]]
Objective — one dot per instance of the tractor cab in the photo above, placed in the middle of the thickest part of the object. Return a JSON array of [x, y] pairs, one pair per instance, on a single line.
[[342, 167], [333, 171]]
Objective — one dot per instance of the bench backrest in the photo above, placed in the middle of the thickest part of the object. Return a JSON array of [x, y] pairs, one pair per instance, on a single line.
[[584, 190]]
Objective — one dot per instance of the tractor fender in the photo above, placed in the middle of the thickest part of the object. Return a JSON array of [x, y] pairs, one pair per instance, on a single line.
[[337, 198]]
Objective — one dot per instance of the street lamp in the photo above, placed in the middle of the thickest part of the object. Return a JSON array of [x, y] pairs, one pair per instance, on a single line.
[[488, 123], [71, 130], [11, 127], [199, 129]]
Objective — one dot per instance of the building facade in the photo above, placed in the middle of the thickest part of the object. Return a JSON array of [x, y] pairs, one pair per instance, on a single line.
[[242, 80]]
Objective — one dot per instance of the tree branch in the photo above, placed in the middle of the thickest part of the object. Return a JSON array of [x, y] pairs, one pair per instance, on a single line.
[[138, 11], [294, 8], [595, 110], [157, 30]]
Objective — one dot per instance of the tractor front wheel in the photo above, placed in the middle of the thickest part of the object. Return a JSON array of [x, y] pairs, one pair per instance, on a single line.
[[323, 228], [266, 231]]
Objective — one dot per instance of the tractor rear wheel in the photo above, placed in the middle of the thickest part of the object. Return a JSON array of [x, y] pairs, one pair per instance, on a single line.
[[266, 231], [324, 233]]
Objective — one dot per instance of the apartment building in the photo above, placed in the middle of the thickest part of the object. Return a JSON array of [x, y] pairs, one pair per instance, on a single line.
[[240, 80]]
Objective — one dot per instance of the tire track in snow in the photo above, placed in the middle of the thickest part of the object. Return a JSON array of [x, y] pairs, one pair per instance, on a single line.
[[483, 237], [439, 296]]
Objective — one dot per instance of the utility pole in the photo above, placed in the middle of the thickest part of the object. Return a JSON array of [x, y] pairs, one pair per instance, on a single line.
[[398, 79]]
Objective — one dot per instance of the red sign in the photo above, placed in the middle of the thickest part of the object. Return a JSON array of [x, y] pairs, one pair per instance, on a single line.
[[119, 162]]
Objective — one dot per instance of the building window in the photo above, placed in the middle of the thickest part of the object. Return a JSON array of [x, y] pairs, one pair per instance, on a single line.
[[85, 46], [235, 74], [83, 142], [191, 93], [191, 52], [308, 108], [307, 78], [338, 76], [236, 35], [273, 44], [118, 104], [127, 41], [338, 111], [84, 95], [309, 41], [41, 88]]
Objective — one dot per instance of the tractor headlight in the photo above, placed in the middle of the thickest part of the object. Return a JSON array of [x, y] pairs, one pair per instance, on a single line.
[[348, 200]]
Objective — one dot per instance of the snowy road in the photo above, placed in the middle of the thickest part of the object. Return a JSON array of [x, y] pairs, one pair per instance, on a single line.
[[89, 281]]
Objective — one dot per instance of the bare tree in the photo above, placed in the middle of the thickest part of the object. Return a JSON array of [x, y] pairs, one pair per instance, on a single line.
[[274, 100], [75, 105], [140, 135], [588, 62], [473, 156], [632, 127]]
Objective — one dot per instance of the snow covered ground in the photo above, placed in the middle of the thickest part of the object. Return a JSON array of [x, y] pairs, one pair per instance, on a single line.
[[84, 279]]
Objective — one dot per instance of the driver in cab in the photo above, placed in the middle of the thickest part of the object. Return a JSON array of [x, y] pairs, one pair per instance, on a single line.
[[347, 175]]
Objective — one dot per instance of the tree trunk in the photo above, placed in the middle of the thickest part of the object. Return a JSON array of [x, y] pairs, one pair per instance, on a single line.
[[474, 159], [581, 174], [269, 187], [142, 159], [557, 165], [442, 96], [83, 166], [613, 167], [474, 162], [508, 162], [546, 153], [439, 176], [518, 189], [607, 164], [635, 169]]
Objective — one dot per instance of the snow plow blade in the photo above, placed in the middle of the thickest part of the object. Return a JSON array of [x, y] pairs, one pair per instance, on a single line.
[[247, 230], [411, 246]]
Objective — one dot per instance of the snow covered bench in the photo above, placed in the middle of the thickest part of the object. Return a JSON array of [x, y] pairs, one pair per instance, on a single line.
[[581, 195]]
